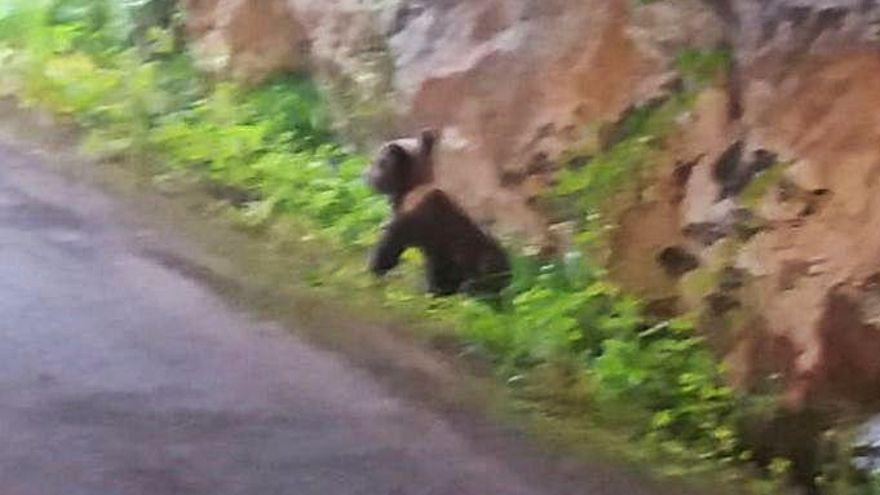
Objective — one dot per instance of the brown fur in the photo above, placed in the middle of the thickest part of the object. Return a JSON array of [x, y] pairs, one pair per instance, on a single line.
[[459, 255]]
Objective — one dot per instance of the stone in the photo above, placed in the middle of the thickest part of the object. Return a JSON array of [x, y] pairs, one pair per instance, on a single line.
[[244, 39]]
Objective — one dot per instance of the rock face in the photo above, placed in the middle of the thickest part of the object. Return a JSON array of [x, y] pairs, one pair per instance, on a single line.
[[808, 85], [805, 315], [249, 40], [786, 276], [512, 83]]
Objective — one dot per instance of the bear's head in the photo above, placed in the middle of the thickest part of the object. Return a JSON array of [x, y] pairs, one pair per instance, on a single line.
[[403, 165]]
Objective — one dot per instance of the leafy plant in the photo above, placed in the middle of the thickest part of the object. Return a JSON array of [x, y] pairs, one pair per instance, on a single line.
[[702, 67], [588, 190]]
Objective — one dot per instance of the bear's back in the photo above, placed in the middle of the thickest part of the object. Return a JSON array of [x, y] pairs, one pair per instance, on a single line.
[[445, 230]]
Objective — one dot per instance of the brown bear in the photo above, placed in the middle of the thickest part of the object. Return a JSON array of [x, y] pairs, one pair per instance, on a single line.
[[460, 257]]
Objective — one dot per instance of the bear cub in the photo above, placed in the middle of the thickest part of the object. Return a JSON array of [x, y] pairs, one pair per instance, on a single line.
[[459, 256]]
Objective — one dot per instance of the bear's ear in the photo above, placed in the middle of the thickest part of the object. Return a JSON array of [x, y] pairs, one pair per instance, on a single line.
[[427, 139]]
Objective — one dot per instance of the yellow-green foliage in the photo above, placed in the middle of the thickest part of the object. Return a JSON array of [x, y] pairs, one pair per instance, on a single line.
[[762, 184], [588, 188]]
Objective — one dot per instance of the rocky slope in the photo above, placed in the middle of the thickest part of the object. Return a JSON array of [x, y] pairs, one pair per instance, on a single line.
[[786, 278]]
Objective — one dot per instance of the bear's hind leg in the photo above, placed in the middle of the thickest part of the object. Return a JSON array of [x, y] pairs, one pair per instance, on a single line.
[[443, 278]]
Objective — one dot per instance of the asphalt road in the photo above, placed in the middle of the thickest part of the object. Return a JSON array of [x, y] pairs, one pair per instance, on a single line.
[[121, 376]]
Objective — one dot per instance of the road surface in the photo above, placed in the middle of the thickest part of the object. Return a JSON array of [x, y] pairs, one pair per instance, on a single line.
[[119, 376]]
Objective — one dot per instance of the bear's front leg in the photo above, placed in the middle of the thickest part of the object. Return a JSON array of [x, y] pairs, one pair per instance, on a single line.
[[386, 254]]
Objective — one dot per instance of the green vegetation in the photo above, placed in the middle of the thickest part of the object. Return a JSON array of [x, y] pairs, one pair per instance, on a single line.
[[702, 67], [138, 96], [585, 192], [762, 184]]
